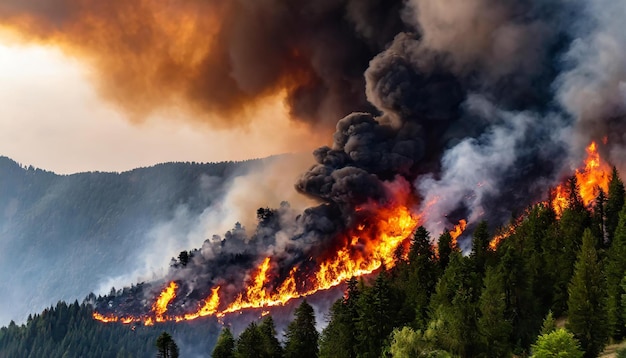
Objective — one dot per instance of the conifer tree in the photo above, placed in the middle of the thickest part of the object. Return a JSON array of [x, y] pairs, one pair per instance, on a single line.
[[614, 204], [302, 337], [480, 246], [225, 346], [250, 342], [423, 275], [494, 328], [559, 343], [166, 346], [615, 270], [549, 325], [271, 345], [587, 300], [445, 247], [338, 340]]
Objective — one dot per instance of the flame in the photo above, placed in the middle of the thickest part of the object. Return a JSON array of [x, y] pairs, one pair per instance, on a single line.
[[595, 175], [210, 307], [160, 306], [458, 230]]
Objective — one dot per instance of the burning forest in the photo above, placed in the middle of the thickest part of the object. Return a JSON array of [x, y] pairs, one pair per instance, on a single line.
[[467, 111]]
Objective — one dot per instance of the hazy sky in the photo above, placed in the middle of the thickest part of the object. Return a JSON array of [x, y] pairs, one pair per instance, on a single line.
[[52, 117]]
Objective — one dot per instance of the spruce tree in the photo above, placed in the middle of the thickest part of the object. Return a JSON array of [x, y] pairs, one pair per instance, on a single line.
[[423, 275], [445, 247], [302, 337], [270, 345], [587, 300], [225, 346], [494, 328], [250, 342], [480, 247], [614, 204], [166, 346], [615, 270], [559, 343], [549, 325]]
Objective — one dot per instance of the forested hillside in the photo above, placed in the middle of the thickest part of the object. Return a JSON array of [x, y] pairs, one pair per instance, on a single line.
[[550, 283], [64, 235], [68, 330]]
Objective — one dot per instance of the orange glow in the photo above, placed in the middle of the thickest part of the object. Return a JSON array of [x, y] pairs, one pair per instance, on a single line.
[[458, 230], [371, 243], [593, 176], [166, 296]]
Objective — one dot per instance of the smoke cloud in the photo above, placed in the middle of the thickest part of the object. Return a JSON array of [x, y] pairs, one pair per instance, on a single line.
[[455, 108]]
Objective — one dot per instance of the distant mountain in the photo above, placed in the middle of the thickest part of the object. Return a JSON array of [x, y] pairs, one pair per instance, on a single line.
[[62, 236]]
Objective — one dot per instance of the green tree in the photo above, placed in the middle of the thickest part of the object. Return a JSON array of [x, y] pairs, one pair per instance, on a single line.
[[250, 342], [225, 346], [494, 328], [454, 308], [445, 247], [587, 300], [549, 325], [423, 275], [407, 343], [271, 345], [166, 346], [480, 246], [615, 270], [614, 204], [302, 337], [559, 343], [338, 339]]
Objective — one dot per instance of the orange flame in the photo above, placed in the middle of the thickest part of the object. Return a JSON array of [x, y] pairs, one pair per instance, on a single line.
[[595, 175], [166, 296], [458, 230]]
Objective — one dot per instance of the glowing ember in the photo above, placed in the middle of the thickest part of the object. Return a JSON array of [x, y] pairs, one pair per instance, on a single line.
[[595, 175]]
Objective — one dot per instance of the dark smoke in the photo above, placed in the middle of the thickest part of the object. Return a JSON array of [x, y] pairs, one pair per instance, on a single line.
[[219, 57], [480, 106]]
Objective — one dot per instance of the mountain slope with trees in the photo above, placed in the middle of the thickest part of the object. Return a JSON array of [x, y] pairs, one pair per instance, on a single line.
[[64, 235]]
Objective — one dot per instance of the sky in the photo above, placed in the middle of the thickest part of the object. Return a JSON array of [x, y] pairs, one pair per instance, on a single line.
[[52, 117]]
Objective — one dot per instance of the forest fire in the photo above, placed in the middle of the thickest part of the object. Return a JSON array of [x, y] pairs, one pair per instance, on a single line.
[[457, 231], [366, 248], [595, 175]]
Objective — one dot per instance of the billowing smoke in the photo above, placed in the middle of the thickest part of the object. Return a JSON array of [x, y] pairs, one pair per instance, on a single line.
[[466, 109], [218, 58]]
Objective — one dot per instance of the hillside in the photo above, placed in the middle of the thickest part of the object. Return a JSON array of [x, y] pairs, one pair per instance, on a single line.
[[63, 236]]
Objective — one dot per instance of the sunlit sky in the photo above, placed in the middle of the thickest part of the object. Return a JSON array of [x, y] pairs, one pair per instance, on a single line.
[[51, 117]]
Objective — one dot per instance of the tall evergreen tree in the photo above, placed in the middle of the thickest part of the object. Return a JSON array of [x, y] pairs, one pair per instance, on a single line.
[[166, 346], [225, 346], [423, 275], [271, 346], [587, 300], [559, 343], [480, 246], [615, 270], [614, 204], [494, 328], [302, 337], [445, 247], [454, 308], [250, 342], [377, 317], [338, 340]]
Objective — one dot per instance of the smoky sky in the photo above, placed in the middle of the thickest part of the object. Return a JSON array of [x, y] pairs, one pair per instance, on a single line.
[[218, 57], [464, 108]]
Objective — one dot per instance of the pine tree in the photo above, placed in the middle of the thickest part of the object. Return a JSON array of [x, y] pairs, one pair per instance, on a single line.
[[225, 346], [549, 325], [445, 247], [423, 275], [302, 337], [615, 270], [480, 246], [338, 340], [494, 328], [250, 342], [614, 204], [559, 343], [587, 300], [166, 346], [271, 345]]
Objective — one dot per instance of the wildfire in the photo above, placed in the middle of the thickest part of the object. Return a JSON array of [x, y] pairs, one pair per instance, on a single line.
[[366, 248], [595, 175], [458, 230]]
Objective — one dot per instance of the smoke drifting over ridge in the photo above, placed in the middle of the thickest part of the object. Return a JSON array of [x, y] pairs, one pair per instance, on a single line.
[[476, 107]]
